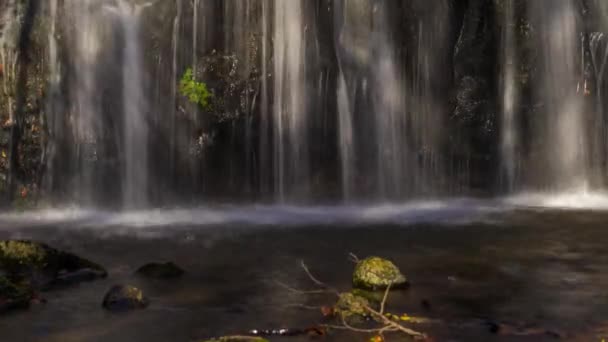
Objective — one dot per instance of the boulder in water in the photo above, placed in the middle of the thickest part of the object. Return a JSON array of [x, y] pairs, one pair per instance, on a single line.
[[376, 273], [352, 307], [43, 266], [166, 270], [14, 296], [124, 298]]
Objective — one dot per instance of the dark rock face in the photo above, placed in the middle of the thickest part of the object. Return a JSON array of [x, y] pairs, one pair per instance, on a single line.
[[124, 298], [160, 270]]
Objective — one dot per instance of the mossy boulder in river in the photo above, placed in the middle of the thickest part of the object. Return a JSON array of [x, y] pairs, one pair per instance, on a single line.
[[375, 273], [352, 307], [43, 266], [124, 298], [14, 296], [160, 271]]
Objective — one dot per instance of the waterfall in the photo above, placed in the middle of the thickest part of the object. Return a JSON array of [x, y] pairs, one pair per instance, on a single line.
[[84, 107], [195, 29], [345, 136], [290, 95], [332, 100], [175, 45], [135, 181], [388, 103], [509, 96], [561, 137], [54, 105]]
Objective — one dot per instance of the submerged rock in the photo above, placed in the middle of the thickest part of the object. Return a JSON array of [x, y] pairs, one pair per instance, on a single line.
[[372, 296], [43, 266], [375, 273], [14, 296], [160, 270], [124, 298], [352, 307]]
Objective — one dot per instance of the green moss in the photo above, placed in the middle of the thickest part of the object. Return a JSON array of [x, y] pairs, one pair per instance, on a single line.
[[372, 296], [27, 259], [375, 273], [18, 256], [350, 305], [195, 91]]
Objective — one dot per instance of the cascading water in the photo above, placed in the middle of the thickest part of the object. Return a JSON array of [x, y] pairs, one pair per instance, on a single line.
[[562, 138], [388, 103], [404, 130], [83, 105], [290, 95], [340, 100], [135, 181], [509, 96]]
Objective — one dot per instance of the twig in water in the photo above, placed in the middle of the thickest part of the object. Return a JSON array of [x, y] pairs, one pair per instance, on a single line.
[[315, 280], [287, 287], [388, 288], [389, 325]]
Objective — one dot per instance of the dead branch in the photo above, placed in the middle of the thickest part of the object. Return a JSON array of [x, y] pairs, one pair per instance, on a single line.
[[289, 288], [388, 288], [389, 325], [315, 280]]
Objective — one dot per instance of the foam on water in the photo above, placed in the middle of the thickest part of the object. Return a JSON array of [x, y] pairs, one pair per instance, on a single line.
[[579, 200], [456, 211], [447, 211]]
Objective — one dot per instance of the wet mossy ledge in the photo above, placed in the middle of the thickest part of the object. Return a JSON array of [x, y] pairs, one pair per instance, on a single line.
[[28, 267]]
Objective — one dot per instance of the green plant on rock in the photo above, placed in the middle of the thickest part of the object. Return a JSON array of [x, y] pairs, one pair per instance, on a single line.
[[196, 92]]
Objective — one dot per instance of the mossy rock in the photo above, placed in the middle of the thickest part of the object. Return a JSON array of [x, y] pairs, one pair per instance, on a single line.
[[44, 266], [166, 270], [14, 296], [124, 298], [372, 296], [376, 273], [351, 306], [237, 339], [18, 257]]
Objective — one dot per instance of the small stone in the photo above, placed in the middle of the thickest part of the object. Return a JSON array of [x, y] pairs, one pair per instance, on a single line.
[[166, 270], [124, 298], [376, 273]]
